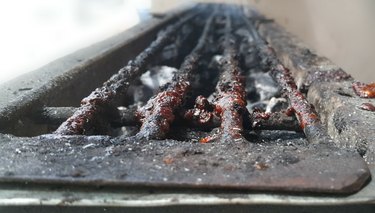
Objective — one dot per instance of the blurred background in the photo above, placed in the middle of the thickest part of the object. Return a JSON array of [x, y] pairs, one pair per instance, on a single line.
[[36, 32]]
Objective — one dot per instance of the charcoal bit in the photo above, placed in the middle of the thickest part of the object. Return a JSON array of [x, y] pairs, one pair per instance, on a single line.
[[202, 114], [274, 121]]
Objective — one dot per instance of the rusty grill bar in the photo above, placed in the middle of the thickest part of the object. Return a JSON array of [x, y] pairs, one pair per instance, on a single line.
[[206, 128], [307, 117], [158, 114], [230, 101]]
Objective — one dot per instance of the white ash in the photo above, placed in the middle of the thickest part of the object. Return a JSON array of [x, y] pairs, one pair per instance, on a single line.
[[215, 62], [157, 77], [276, 104], [150, 82], [125, 131], [265, 85], [257, 105], [211, 98]]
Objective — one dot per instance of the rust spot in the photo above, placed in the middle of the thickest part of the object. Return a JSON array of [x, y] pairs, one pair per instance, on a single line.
[[368, 107], [313, 116], [364, 90], [168, 159], [290, 111], [261, 166], [207, 139]]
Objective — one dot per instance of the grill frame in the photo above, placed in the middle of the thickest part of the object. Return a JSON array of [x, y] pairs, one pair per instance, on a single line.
[[160, 198], [23, 195]]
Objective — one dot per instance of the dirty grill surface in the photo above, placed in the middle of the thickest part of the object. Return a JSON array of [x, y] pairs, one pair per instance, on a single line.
[[287, 164], [207, 105]]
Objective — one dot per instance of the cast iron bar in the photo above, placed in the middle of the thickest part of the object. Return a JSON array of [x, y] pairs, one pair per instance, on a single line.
[[56, 115], [308, 118], [159, 112], [230, 102], [260, 120]]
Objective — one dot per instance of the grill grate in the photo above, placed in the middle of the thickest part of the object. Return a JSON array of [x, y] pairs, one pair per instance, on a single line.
[[157, 115], [206, 128]]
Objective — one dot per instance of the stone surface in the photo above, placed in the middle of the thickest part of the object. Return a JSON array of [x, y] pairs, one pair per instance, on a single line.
[[329, 89], [304, 63]]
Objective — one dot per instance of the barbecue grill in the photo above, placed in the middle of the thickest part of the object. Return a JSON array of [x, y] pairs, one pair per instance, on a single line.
[[244, 114]]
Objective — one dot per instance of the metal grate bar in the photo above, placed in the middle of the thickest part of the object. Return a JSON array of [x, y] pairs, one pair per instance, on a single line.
[[159, 112], [308, 118], [230, 101]]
